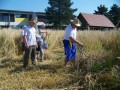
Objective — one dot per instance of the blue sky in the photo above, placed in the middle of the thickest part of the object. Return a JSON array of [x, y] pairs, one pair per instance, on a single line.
[[87, 6]]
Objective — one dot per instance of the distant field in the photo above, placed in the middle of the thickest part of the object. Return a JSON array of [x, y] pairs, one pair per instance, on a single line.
[[97, 69]]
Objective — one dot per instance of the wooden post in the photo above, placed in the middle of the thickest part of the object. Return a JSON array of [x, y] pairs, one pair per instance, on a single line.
[[34, 15], [9, 20], [88, 27]]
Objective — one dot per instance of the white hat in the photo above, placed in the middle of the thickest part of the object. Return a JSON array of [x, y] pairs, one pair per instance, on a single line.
[[76, 22]]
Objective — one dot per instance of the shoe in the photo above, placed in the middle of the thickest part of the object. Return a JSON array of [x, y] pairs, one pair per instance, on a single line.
[[118, 58], [34, 63], [25, 68], [41, 60], [35, 60]]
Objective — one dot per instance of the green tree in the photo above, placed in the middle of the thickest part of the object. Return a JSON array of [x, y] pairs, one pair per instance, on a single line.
[[59, 12], [114, 14], [102, 10]]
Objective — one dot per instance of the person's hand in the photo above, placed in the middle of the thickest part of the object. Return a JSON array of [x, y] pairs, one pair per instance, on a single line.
[[27, 46], [80, 44], [36, 45]]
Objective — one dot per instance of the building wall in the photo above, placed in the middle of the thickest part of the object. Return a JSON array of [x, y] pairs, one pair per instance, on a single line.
[[82, 20], [14, 18], [21, 19]]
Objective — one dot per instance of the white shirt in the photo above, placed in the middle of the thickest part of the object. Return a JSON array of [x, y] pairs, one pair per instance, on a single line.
[[41, 31], [30, 33], [38, 38], [69, 32]]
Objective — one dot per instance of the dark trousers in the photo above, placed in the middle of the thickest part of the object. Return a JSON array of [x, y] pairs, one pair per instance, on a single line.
[[29, 53], [23, 46]]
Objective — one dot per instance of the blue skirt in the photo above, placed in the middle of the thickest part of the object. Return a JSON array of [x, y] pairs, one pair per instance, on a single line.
[[70, 50]]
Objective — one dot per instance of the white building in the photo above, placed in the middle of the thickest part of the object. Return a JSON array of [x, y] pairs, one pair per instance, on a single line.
[[15, 18]]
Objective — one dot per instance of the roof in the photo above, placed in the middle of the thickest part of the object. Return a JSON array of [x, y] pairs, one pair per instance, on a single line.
[[97, 20], [6, 10]]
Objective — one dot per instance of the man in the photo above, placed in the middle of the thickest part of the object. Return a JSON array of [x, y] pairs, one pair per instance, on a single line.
[[69, 41], [30, 43]]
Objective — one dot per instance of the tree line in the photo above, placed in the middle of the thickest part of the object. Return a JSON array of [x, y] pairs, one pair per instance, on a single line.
[[59, 13]]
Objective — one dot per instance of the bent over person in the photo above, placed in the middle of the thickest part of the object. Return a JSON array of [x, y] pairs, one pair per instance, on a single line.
[[30, 43], [42, 43], [69, 41]]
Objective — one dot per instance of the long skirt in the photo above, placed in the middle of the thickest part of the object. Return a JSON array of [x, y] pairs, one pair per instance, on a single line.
[[70, 50]]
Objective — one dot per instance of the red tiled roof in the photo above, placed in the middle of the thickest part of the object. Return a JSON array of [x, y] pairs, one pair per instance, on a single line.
[[97, 20]]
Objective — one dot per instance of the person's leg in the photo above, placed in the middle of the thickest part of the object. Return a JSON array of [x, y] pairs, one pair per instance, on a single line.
[[23, 46], [26, 57], [74, 62], [41, 51], [42, 54], [38, 49], [65, 64], [33, 55]]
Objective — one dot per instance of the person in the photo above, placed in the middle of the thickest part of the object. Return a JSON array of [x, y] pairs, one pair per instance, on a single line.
[[69, 41], [42, 41], [30, 44], [22, 38], [43, 34], [39, 48]]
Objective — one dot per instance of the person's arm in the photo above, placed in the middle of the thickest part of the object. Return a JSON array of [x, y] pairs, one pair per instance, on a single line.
[[26, 42], [21, 37], [25, 38], [76, 41], [36, 40], [44, 32]]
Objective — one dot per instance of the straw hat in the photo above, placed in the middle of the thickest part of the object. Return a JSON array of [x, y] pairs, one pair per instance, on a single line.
[[76, 22]]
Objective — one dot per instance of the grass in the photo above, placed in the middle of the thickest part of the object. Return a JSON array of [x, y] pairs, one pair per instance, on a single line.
[[47, 74], [100, 67]]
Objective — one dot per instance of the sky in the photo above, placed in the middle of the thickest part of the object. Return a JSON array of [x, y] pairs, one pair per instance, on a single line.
[[85, 6]]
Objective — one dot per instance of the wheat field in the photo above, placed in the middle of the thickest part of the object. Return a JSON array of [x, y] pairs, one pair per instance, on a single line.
[[98, 65]]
